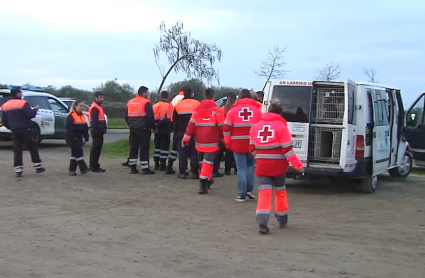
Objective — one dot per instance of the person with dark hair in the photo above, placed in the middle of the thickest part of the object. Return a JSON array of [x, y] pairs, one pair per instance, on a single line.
[[140, 119], [181, 117], [17, 115], [229, 160], [172, 156], [271, 140], [77, 134], [260, 96], [162, 131], [98, 130], [239, 120], [206, 124]]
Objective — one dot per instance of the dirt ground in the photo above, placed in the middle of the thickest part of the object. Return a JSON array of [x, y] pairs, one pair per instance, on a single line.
[[120, 225]]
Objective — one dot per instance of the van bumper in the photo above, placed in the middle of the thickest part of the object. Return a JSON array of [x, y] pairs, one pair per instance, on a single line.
[[362, 170]]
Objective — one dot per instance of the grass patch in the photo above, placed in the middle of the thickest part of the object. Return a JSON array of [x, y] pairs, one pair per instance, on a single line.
[[117, 123], [121, 148], [418, 171]]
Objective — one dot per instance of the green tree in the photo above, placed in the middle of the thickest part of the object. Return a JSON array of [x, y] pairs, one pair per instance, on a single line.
[[114, 91], [186, 54], [196, 84], [70, 92]]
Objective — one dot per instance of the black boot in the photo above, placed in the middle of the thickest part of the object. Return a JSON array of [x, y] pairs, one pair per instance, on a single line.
[[203, 186], [83, 167], [156, 167], [169, 170], [133, 169], [125, 164], [72, 167], [162, 166], [209, 183], [147, 171]]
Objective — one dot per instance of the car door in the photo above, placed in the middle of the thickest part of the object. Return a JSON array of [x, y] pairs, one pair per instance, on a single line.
[[414, 131], [60, 112], [378, 99], [45, 118]]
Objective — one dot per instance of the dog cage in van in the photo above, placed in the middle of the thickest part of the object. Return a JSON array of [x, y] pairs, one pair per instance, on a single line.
[[326, 123]]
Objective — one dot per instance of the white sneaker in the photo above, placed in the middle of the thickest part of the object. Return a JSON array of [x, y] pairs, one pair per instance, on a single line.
[[239, 199], [250, 195]]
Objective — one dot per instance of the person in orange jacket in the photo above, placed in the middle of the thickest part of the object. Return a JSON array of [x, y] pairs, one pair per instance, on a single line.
[[206, 124], [239, 120], [163, 127], [272, 142]]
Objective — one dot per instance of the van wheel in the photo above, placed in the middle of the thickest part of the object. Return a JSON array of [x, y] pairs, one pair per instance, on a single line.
[[369, 184], [404, 169]]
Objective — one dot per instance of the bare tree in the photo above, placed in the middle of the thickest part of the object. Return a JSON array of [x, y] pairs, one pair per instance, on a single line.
[[329, 72], [272, 68], [186, 54], [371, 74]]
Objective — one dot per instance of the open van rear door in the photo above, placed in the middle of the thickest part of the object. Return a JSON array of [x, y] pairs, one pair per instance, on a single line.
[[414, 130]]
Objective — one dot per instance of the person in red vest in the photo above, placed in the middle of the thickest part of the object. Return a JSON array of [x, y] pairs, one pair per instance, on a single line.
[[17, 115], [162, 131], [98, 130], [181, 117], [172, 156], [141, 121], [272, 142], [239, 120], [206, 124], [77, 135]]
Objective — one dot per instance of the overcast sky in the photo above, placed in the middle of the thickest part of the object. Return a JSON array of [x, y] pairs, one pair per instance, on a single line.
[[83, 43]]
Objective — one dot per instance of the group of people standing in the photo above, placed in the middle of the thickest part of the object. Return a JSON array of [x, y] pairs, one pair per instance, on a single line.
[[201, 130]]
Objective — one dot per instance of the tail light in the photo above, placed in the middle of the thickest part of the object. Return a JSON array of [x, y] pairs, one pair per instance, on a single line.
[[360, 146]]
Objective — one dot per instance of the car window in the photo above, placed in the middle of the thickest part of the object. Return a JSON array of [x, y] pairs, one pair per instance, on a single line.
[[38, 100], [86, 108], [68, 102], [57, 106], [3, 98]]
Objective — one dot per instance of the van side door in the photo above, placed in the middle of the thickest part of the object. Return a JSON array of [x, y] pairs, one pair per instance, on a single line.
[[381, 148], [414, 131]]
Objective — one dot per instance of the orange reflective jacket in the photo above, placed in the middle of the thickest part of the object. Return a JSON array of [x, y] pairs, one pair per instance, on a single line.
[[101, 112], [136, 107], [78, 118], [161, 110]]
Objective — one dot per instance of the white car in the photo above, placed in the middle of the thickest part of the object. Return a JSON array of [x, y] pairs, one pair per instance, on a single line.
[[49, 123], [70, 101]]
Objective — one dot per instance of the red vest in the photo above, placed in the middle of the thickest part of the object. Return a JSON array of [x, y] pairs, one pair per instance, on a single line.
[[271, 140], [239, 120]]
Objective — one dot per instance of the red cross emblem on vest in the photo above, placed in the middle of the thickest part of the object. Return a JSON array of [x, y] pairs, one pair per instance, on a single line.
[[265, 134], [245, 114]]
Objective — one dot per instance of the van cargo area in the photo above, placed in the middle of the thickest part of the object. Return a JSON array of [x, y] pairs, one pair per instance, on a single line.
[[327, 114]]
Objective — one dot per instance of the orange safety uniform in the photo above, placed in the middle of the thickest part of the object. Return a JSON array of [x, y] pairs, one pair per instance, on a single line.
[[174, 150], [76, 135], [140, 119], [271, 140], [206, 124], [98, 129], [239, 120], [97, 117], [161, 109]]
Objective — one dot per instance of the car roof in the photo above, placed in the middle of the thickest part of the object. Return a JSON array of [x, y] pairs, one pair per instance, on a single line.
[[29, 93]]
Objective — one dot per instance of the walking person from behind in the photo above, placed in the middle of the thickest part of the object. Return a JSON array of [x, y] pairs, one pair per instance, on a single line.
[[77, 134], [181, 117], [239, 120], [98, 129], [141, 121], [17, 115], [163, 128], [271, 140], [206, 125]]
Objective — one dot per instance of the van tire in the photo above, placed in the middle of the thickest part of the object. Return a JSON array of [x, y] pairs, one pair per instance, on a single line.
[[35, 131], [369, 184], [404, 169]]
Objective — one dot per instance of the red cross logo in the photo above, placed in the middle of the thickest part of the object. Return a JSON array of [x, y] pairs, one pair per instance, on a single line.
[[265, 134], [245, 114]]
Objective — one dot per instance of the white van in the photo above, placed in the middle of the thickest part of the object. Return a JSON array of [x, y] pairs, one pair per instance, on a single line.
[[49, 123], [344, 129]]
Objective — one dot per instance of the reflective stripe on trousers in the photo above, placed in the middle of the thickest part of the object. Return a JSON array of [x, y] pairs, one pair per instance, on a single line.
[[206, 161], [265, 187]]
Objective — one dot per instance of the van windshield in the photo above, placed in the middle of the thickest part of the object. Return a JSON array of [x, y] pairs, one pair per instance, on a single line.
[[295, 102]]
